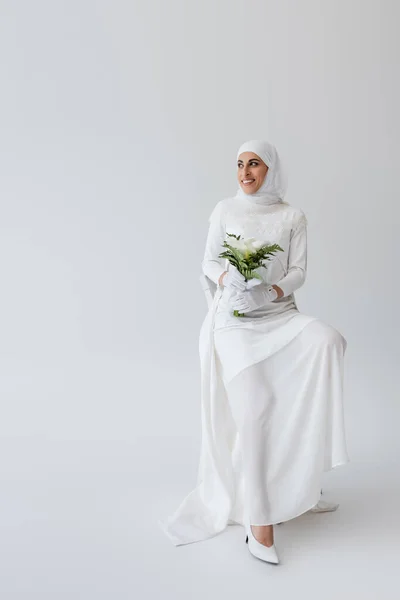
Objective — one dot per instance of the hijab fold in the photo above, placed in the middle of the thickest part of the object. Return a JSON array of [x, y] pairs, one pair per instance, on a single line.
[[273, 188]]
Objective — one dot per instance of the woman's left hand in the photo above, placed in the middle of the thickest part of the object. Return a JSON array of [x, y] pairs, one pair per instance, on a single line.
[[252, 299]]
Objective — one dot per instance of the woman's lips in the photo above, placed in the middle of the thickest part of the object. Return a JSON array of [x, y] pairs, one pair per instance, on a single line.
[[248, 181]]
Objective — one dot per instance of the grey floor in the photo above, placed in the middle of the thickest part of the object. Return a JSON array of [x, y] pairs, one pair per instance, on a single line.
[[79, 521]]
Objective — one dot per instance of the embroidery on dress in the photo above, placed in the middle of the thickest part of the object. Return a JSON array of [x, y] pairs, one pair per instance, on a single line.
[[259, 222]]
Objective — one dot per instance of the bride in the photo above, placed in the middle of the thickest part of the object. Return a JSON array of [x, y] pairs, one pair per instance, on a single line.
[[271, 380]]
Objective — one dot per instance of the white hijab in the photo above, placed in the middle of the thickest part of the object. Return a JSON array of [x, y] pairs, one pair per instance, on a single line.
[[274, 186]]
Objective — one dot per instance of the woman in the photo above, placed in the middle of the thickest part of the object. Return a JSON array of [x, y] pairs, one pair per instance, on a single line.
[[271, 380]]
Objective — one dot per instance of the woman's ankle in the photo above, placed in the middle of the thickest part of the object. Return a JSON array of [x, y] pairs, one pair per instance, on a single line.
[[263, 534]]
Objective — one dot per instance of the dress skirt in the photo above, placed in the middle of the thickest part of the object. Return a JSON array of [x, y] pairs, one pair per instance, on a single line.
[[272, 420], [288, 412]]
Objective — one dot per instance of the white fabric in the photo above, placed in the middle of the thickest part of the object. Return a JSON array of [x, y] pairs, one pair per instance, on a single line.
[[289, 416], [252, 283], [234, 279], [248, 300], [275, 223], [271, 389], [274, 186]]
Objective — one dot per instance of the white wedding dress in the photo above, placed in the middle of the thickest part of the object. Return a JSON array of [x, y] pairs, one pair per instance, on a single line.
[[271, 389]]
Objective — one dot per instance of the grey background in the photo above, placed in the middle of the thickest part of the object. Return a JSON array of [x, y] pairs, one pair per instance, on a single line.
[[120, 123]]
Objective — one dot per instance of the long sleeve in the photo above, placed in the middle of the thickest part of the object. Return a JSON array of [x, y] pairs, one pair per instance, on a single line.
[[213, 266], [297, 260]]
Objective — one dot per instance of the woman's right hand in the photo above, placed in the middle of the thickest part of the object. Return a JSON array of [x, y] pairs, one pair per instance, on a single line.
[[233, 279]]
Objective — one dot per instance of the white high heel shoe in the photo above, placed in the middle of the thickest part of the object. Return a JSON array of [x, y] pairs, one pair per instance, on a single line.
[[266, 553], [323, 506]]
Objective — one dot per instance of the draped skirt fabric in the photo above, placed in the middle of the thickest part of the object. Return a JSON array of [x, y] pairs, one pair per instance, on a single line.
[[288, 412], [272, 421]]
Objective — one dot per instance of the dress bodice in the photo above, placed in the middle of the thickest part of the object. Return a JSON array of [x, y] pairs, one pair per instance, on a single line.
[[278, 223], [271, 224]]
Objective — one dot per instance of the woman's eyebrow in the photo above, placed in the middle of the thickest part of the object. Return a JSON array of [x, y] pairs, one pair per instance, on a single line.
[[250, 160]]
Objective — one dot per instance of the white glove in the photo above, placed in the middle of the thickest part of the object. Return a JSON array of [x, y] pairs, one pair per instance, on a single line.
[[251, 283], [248, 300], [233, 279]]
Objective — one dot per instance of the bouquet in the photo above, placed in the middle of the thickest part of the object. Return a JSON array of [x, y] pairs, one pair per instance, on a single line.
[[247, 255]]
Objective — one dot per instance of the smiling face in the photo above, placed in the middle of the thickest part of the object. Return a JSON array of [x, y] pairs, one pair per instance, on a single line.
[[251, 172]]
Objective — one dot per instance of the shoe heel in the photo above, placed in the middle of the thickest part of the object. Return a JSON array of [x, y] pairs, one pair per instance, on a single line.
[[247, 539]]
